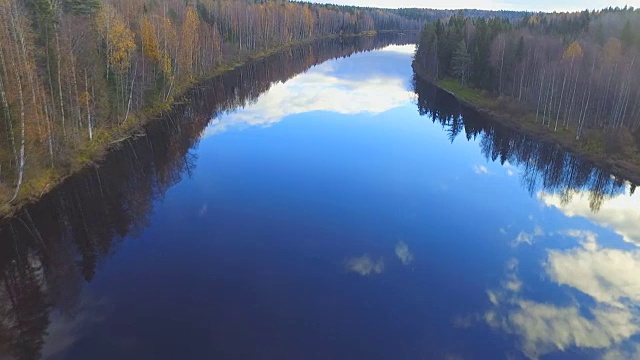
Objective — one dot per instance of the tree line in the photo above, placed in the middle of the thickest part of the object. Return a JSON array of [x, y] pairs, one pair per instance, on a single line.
[[77, 75], [575, 71]]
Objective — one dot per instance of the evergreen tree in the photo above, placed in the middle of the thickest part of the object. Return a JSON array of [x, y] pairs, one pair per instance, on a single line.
[[84, 7], [627, 36], [460, 62]]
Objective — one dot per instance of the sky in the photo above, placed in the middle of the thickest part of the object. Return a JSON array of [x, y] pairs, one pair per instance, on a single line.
[[533, 5]]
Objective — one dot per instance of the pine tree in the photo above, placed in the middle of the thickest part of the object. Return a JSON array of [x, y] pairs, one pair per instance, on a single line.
[[461, 62]]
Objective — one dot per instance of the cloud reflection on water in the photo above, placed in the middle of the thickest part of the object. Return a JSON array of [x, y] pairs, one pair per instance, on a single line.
[[608, 322], [403, 253], [368, 88], [621, 213], [365, 265]]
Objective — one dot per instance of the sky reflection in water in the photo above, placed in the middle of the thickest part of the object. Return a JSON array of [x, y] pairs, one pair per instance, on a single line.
[[372, 83], [329, 220]]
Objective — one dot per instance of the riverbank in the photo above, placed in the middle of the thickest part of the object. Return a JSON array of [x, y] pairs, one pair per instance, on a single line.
[[617, 153], [106, 140]]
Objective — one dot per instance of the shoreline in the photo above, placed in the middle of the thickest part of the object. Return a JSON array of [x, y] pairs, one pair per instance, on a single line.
[[107, 140], [516, 116]]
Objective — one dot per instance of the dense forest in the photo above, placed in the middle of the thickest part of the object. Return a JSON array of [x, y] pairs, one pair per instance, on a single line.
[[76, 76], [428, 15], [573, 72], [53, 246]]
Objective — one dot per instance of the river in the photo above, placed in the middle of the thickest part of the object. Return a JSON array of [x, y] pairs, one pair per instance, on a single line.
[[325, 204]]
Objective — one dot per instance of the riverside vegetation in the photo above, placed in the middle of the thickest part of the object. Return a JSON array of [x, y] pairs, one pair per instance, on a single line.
[[80, 76], [568, 78]]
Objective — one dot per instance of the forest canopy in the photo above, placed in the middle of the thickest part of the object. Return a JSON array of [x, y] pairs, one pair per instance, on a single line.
[[576, 71]]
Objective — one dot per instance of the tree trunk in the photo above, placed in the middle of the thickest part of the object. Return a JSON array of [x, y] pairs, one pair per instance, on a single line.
[[59, 56]]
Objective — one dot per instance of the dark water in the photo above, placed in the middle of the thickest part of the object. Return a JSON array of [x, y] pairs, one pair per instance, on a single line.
[[349, 212]]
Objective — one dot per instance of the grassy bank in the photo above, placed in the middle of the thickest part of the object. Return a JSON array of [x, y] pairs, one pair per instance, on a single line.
[[615, 152], [107, 139]]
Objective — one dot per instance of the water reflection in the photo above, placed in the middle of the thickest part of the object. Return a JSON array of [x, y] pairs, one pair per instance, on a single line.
[[403, 253], [620, 212], [325, 234], [360, 85], [542, 166], [608, 320], [365, 265], [578, 296], [54, 246]]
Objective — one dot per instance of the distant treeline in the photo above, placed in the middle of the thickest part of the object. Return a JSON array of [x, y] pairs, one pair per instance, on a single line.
[[574, 70], [76, 75], [428, 15]]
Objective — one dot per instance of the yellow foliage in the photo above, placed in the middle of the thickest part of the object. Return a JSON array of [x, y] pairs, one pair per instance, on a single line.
[[123, 45], [149, 41], [85, 98], [167, 69], [189, 39], [120, 39], [308, 19], [534, 20], [612, 50], [104, 19], [574, 50]]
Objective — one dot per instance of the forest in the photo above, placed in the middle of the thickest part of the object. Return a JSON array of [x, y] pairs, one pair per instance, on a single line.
[[79, 76], [573, 73]]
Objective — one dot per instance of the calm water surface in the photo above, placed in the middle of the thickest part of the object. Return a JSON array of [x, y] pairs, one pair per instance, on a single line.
[[349, 212]]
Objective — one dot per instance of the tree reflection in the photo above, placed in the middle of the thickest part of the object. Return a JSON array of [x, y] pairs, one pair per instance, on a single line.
[[544, 166], [53, 246]]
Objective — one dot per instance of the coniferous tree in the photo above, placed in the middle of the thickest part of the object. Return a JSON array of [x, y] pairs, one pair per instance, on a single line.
[[461, 62]]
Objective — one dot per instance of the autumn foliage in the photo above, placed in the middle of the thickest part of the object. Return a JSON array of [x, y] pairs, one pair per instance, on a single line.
[[78, 75]]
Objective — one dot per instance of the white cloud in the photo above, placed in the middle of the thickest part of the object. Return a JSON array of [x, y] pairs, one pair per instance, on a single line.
[[608, 275], [545, 328], [528, 238], [402, 49], [481, 169], [523, 238], [537, 231], [322, 89], [609, 324], [620, 213], [588, 239], [511, 171], [493, 297], [365, 266], [623, 354], [403, 253], [511, 282]]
